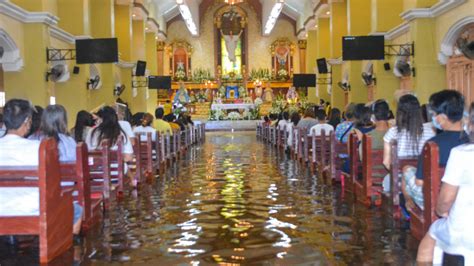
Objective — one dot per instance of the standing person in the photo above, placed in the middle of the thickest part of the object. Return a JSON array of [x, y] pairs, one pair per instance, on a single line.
[[84, 123], [447, 108], [453, 232], [322, 125], [146, 127], [285, 120], [343, 129], [54, 125], [308, 120], [334, 117], [294, 120]]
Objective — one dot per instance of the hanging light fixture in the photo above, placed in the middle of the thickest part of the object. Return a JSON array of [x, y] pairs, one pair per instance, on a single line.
[[233, 2]]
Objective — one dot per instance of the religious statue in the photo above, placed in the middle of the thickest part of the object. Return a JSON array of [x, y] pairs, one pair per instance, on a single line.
[[182, 95], [258, 90], [292, 95], [231, 41], [268, 95]]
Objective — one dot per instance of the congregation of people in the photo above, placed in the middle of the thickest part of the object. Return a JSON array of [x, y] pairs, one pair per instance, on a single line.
[[444, 120], [23, 127]]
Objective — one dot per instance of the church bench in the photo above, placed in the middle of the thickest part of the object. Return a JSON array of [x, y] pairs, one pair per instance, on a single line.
[[354, 163], [420, 220], [397, 164], [54, 223], [300, 148], [258, 130], [282, 137], [144, 156], [335, 164], [368, 189], [78, 172]]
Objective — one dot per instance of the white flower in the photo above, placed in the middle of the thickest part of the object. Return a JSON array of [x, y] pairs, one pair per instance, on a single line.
[[234, 116], [258, 102]]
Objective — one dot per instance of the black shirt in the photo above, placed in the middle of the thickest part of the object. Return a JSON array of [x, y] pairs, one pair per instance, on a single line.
[[446, 140]]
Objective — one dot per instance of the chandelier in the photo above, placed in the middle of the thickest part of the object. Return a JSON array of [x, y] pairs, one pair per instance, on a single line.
[[233, 2]]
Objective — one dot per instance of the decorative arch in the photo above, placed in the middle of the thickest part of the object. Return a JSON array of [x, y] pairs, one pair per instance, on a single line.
[[10, 59], [227, 8], [449, 41]]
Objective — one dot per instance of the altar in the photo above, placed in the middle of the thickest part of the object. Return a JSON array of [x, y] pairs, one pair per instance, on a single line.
[[232, 106]]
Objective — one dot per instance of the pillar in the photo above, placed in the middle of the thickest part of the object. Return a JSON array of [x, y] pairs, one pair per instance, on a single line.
[[151, 55], [323, 51], [160, 57], [102, 26], [311, 56], [138, 103], [302, 49], [338, 29], [430, 75]]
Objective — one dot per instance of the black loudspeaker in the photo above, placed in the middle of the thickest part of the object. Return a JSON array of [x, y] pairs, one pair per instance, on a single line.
[[140, 69], [322, 66], [386, 66], [76, 70]]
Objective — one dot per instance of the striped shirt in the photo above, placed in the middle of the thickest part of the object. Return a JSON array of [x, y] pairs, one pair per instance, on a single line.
[[405, 143]]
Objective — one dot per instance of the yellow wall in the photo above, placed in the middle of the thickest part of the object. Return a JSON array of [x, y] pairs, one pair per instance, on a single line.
[[152, 66], [323, 51], [74, 16], [311, 56], [123, 31], [386, 14], [338, 29]]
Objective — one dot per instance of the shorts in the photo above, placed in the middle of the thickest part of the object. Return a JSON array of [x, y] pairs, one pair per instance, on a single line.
[[77, 212]]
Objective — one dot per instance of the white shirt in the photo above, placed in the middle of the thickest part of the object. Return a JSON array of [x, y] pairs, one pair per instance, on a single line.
[[142, 129], [456, 233], [283, 124], [127, 128], [319, 127], [19, 201], [93, 142]]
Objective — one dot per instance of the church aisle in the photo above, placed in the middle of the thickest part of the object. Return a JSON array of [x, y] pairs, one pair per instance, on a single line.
[[229, 202]]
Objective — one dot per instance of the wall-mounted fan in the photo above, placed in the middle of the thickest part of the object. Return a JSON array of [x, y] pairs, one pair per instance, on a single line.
[[119, 88], [466, 46], [93, 83], [58, 73], [402, 66], [344, 83], [368, 76]]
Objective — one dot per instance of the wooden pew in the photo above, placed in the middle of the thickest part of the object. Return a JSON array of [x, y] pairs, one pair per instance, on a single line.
[[368, 189], [335, 164], [420, 220], [392, 200], [78, 172], [144, 156], [55, 220], [355, 164]]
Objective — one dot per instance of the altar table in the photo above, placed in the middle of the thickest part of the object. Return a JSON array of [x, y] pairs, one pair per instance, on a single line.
[[227, 106]]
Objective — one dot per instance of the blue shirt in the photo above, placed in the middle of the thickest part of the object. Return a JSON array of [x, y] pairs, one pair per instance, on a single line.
[[446, 140]]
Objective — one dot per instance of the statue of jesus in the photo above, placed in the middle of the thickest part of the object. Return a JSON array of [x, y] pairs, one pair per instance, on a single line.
[[231, 44]]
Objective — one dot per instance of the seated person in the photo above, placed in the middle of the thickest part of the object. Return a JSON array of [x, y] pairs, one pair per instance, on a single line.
[[410, 132], [35, 133], [84, 123], [109, 128], [171, 119], [363, 122], [146, 127], [284, 121], [19, 151], [160, 125], [54, 124], [453, 233], [308, 120], [344, 128], [2, 126], [447, 108], [322, 124], [267, 121]]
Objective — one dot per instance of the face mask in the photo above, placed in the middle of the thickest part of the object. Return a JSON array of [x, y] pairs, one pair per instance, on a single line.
[[435, 123]]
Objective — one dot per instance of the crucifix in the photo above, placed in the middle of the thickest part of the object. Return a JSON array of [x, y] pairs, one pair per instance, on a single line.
[[231, 41]]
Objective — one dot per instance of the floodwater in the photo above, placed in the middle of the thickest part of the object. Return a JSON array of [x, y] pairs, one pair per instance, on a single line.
[[234, 201]]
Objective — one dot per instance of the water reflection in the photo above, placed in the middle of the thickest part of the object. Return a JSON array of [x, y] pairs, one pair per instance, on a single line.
[[235, 201]]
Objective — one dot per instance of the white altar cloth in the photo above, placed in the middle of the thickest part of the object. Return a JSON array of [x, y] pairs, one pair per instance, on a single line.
[[227, 106]]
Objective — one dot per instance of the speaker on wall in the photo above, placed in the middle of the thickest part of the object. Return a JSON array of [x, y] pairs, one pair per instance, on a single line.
[[76, 70], [386, 66], [322, 66], [140, 68]]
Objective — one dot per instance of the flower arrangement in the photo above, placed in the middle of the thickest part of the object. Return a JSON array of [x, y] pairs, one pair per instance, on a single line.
[[258, 102], [234, 116], [201, 97], [216, 115], [248, 99], [282, 74], [180, 74], [247, 114], [262, 74], [200, 75]]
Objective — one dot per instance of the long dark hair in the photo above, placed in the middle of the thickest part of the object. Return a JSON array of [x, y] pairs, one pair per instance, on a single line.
[[409, 118], [35, 120], [54, 121], [109, 128], [83, 119], [334, 117], [295, 118]]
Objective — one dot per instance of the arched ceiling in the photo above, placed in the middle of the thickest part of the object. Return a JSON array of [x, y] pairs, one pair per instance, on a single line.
[[297, 10]]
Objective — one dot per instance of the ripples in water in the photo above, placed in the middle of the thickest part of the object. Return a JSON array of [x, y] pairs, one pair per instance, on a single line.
[[236, 201]]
